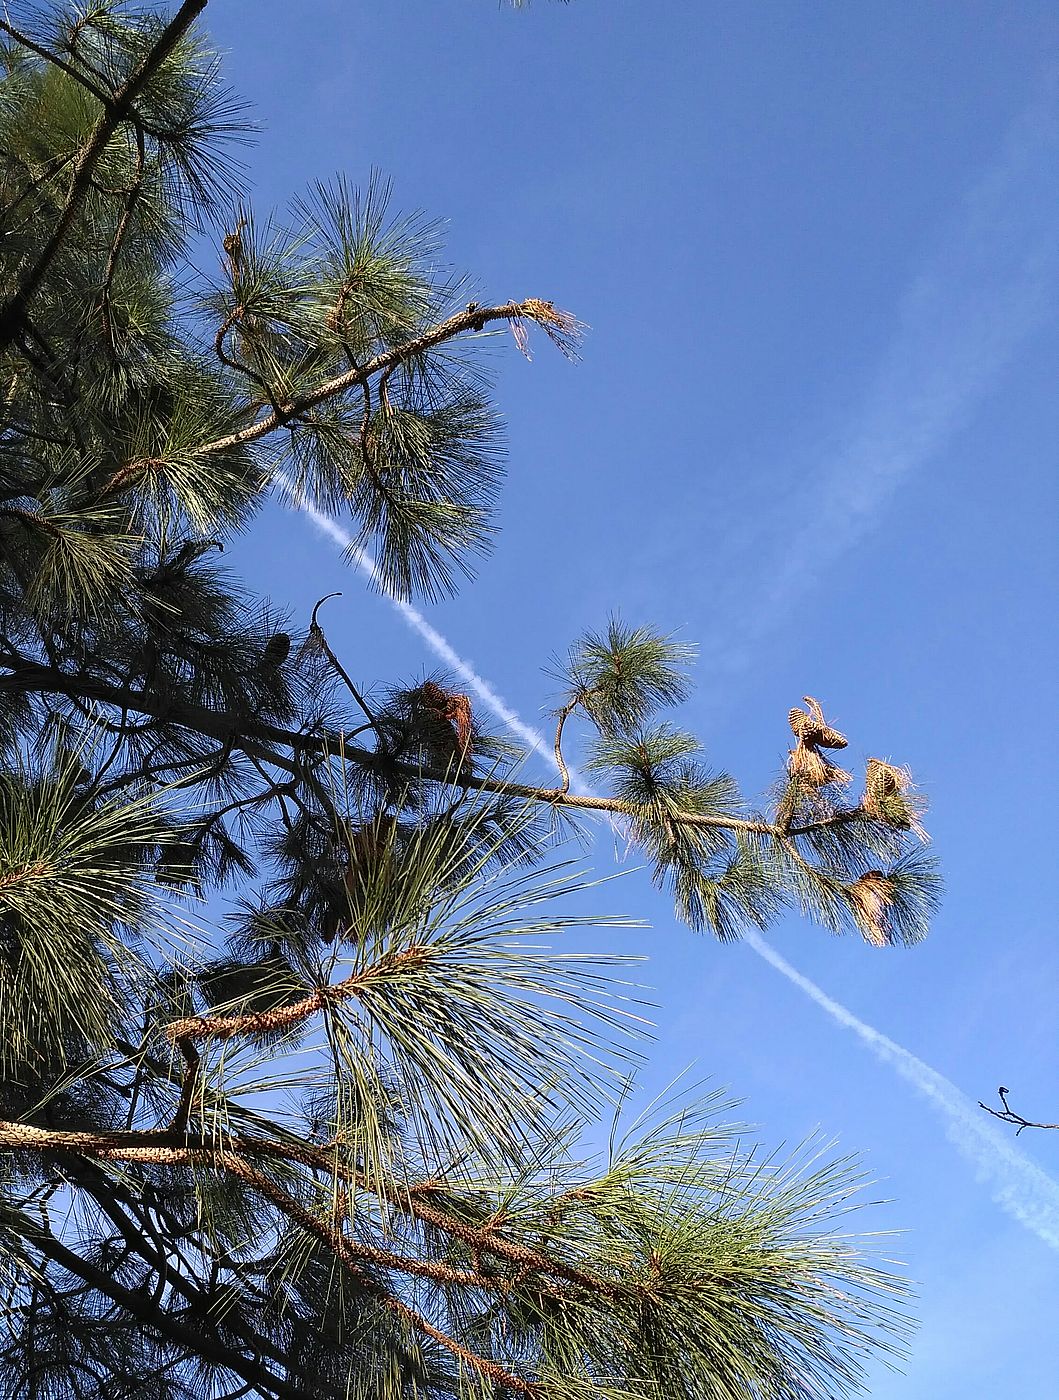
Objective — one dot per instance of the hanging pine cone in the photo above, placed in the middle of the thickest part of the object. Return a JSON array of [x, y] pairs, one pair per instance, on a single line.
[[277, 649], [452, 710], [870, 899], [885, 794]]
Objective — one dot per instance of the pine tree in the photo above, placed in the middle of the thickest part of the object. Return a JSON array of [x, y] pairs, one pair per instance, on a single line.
[[337, 1141]]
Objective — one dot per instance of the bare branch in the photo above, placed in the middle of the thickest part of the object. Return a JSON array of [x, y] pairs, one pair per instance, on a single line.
[[1007, 1114], [560, 761], [317, 633]]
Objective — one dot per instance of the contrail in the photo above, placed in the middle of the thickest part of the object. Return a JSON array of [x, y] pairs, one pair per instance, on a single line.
[[988, 287], [1016, 1183], [439, 645]]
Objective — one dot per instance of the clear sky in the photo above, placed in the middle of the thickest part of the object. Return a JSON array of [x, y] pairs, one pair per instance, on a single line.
[[815, 430]]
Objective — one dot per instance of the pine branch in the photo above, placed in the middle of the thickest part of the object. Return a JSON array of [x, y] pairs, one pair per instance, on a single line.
[[352, 1256], [285, 1018], [119, 107], [541, 312], [253, 737], [192, 1062], [169, 1147], [156, 1320], [412, 1216]]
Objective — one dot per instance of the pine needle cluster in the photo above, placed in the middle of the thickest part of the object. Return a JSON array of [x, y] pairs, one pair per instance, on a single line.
[[299, 1054]]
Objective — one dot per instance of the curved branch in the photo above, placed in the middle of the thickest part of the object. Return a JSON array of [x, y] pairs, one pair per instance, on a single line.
[[165, 1148], [560, 762], [317, 633]]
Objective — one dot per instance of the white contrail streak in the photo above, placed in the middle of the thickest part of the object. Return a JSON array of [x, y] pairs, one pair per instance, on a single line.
[[1015, 1182], [989, 286], [327, 525]]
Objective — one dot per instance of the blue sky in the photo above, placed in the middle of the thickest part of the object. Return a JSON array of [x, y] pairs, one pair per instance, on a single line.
[[815, 430]]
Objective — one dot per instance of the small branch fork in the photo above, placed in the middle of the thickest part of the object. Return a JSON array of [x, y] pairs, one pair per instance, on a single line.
[[1007, 1114]]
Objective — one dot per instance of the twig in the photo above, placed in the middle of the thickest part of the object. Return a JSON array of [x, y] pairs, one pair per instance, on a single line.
[[317, 633], [122, 229], [1008, 1115]]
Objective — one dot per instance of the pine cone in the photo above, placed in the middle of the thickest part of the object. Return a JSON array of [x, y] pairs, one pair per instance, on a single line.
[[820, 732], [870, 897], [452, 710], [277, 649], [883, 778], [885, 799], [799, 721]]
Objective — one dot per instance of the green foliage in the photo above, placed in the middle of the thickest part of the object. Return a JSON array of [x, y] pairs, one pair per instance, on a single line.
[[75, 899], [299, 1048], [621, 676]]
